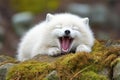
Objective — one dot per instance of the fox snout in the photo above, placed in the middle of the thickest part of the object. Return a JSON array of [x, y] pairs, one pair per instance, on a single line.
[[67, 32]]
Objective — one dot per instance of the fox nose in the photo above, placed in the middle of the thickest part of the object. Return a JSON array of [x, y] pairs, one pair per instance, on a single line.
[[67, 32]]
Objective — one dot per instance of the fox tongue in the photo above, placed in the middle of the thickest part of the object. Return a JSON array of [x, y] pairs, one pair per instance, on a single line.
[[65, 44]]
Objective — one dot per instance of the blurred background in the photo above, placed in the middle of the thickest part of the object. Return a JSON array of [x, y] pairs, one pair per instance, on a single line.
[[17, 16]]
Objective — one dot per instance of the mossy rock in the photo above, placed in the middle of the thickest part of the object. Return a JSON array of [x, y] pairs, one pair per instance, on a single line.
[[73, 66], [90, 75], [6, 59], [29, 70]]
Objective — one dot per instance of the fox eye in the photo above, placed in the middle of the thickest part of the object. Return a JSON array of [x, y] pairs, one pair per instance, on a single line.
[[58, 26], [75, 28]]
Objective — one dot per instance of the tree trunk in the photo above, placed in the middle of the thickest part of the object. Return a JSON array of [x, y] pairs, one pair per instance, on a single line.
[[10, 37]]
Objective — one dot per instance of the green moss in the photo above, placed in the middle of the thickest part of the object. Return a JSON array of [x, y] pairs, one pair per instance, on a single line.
[[90, 75], [97, 47], [30, 70], [114, 62], [77, 66], [105, 55], [73, 63]]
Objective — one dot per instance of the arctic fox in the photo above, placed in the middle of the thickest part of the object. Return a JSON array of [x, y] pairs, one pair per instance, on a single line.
[[58, 34]]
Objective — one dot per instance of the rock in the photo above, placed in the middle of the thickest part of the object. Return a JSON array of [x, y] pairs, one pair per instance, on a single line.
[[52, 76], [105, 72], [116, 72], [22, 22], [4, 69], [45, 58], [6, 59], [6, 63]]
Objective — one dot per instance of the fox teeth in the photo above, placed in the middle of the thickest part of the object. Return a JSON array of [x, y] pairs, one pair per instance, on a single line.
[[65, 50]]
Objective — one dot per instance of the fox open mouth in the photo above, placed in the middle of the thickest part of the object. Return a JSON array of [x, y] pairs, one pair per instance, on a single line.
[[65, 43]]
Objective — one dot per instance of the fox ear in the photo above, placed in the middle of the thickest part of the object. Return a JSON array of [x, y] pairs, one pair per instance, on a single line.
[[86, 21], [49, 17]]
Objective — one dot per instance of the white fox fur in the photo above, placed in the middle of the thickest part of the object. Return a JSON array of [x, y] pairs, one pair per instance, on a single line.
[[44, 37]]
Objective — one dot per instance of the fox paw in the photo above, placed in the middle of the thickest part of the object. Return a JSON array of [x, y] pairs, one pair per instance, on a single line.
[[54, 51], [83, 48]]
